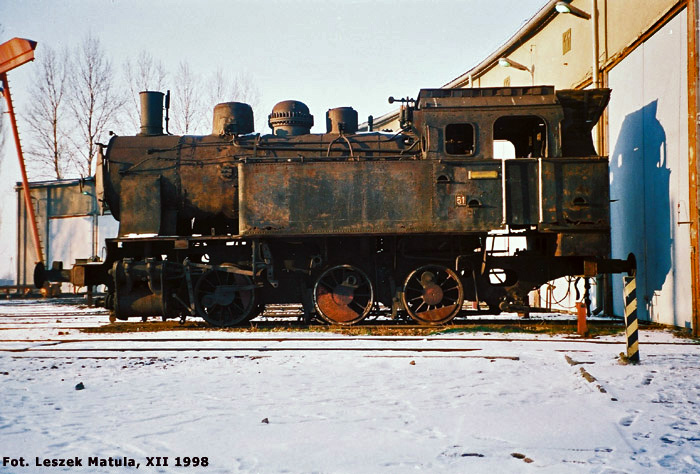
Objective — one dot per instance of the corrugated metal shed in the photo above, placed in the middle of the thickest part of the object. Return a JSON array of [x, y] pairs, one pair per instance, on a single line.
[[70, 224]]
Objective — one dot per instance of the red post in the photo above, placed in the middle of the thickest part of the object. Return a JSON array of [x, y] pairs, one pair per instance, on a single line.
[[14, 53], [25, 183], [582, 324]]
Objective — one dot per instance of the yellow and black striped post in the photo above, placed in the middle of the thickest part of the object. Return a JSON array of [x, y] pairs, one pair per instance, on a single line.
[[631, 324]]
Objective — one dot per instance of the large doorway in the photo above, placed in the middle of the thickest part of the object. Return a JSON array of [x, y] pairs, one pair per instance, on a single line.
[[649, 174]]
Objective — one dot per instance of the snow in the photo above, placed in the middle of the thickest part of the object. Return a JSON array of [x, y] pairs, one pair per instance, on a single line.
[[450, 402]]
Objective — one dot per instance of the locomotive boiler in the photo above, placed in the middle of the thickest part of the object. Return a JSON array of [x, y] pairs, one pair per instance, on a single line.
[[347, 222]]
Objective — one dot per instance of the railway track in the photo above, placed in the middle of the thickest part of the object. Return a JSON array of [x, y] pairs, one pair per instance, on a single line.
[[30, 330], [400, 346], [277, 339], [74, 312]]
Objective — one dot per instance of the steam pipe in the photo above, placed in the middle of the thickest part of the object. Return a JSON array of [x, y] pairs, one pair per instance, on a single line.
[[167, 112]]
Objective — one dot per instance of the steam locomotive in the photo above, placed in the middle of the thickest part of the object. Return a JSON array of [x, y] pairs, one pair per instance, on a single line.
[[346, 222]]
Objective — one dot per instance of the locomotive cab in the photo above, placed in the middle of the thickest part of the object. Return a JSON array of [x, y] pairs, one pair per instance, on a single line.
[[521, 157]]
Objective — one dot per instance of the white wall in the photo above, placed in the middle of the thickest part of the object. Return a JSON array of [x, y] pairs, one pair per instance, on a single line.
[[108, 228], [9, 174], [649, 174], [71, 239]]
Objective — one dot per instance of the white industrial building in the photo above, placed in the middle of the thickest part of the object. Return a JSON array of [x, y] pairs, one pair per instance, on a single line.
[[69, 222]]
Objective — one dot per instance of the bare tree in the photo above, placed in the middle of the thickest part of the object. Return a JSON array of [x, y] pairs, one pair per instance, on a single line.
[[186, 109], [143, 74], [221, 88], [245, 90], [95, 101], [49, 147]]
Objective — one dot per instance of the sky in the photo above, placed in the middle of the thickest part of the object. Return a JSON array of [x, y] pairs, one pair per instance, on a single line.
[[325, 53]]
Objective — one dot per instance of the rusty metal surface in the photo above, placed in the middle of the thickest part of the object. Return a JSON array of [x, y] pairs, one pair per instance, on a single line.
[[206, 194], [432, 294], [290, 118], [233, 118], [468, 196], [204, 180], [87, 274], [334, 197], [139, 157], [341, 119], [151, 113], [522, 192], [343, 295], [372, 197], [438, 108], [582, 108], [575, 194], [593, 244], [486, 96], [140, 202]]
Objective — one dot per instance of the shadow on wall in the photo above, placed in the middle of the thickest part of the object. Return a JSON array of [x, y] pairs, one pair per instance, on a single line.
[[641, 210]]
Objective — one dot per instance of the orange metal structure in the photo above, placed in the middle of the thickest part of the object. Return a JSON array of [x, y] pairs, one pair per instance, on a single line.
[[14, 53], [581, 323]]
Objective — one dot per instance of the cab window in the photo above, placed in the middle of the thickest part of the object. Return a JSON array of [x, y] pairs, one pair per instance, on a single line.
[[526, 133], [459, 139]]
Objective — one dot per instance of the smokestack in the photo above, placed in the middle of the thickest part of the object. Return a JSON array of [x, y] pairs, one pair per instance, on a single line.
[[151, 113]]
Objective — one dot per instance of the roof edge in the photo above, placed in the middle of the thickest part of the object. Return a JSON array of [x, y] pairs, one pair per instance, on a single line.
[[532, 26], [55, 182]]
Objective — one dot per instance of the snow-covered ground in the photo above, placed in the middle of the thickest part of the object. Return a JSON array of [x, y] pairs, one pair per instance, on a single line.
[[259, 402]]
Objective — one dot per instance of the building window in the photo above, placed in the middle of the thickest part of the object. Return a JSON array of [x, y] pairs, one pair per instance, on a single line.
[[459, 139], [506, 82], [566, 42]]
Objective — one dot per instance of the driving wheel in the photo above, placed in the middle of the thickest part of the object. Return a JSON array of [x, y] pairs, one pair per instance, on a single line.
[[433, 294], [343, 295], [225, 299]]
